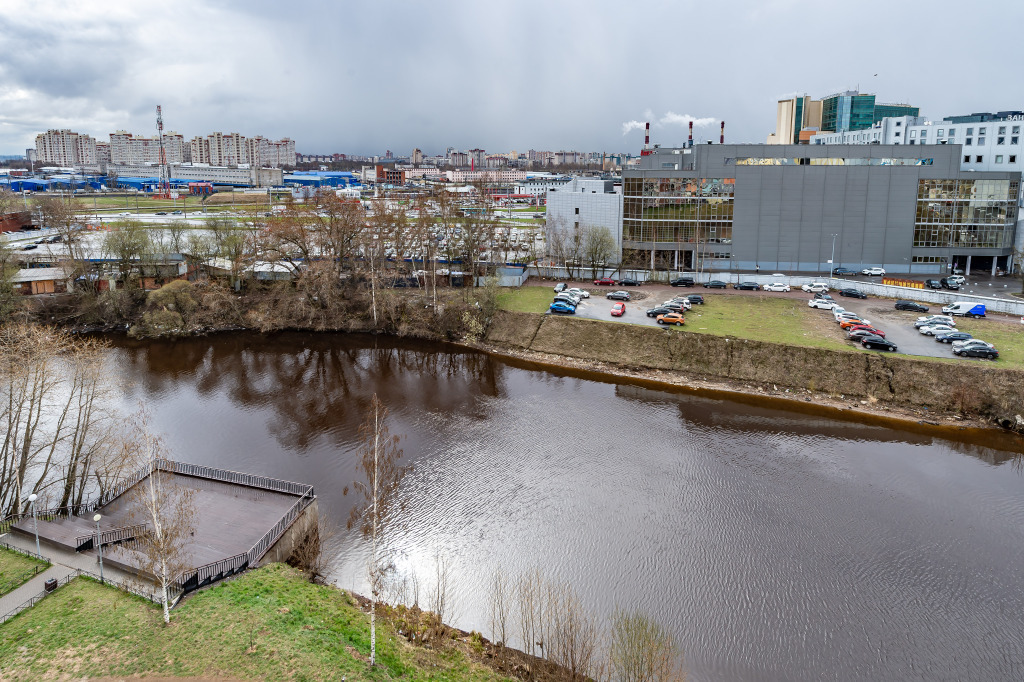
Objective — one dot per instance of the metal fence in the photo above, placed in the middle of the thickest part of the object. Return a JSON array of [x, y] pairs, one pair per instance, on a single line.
[[27, 553], [108, 537], [32, 601], [24, 577]]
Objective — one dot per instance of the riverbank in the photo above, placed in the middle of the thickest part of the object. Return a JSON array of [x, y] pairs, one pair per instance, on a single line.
[[269, 623], [882, 386]]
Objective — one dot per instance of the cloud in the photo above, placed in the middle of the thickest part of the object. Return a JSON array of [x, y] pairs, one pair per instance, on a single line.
[[631, 125], [672, 118]]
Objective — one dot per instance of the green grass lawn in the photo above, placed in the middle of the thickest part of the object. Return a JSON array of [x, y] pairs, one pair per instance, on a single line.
[[1007, 338], [268, 624], [527, 299], [15, 569]]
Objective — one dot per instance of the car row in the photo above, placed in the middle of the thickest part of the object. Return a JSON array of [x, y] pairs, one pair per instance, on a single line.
[[857, 328], [611, 282], [975, 348]]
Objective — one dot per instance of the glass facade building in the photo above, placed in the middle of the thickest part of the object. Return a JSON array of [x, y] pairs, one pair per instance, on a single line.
[[847, 111], [966, 213], [893, 111]]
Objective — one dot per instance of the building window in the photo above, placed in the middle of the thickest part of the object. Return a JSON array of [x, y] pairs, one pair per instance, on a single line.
[[899, 123], [981, 140], [1002, 130], [970, 131], [1014, 139], [939, 134], [981, 131], [967, 142], [897, 133], [952, 132], [977, 159], [1015, 130], [1013, 158], [999, 158], [577, 210], [924, 134], [913, 133], [967, 158], [1000, 140]]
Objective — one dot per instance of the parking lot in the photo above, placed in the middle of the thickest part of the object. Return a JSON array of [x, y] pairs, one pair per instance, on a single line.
[[898, 325]]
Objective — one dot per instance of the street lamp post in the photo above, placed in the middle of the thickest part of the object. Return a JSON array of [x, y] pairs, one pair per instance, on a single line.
[[99, 544], [832, 261], [35, 523]]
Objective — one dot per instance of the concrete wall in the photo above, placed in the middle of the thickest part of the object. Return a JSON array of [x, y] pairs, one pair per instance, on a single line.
[[300, 528]]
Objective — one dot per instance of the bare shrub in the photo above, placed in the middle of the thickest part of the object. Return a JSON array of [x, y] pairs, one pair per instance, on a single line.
[[313, 554], [642, 650]]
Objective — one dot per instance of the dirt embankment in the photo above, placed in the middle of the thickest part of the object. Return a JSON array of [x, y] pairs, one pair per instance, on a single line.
[[915, 388]]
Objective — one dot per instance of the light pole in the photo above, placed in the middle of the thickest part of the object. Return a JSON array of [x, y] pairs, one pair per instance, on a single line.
[[832, 261], [35, 523], [99, 545]]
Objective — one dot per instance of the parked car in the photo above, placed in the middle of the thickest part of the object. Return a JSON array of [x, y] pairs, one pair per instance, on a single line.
[[821, 303], [672, 318], [865, 328], [617, 295], [676, 306], [566, 298], [933, 329], [178, 213], [683, 282], [29, 247], [852, 293], [878, 343], [628, 282], [715, 284], [659, 310], [747, 286], [618, 310], [560, 287], [843, 316], [605, 282], [933, 284], [824, 297], [950, 337], [815, 287], [681, 300], [843, 271], [161, 212], [775, 286], [846, 324], [977, 352], [934, 319], [911, 305], [858, 334], [959, 279], [873, 272], [971, 342], [562, 308], [582, 293], [950, 283], [695, 299]]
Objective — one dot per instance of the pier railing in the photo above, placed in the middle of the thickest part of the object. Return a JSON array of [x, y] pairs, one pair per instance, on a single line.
[[108, 537]]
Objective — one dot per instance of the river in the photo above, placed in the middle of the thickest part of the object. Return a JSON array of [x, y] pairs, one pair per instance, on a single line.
[[775, 545]]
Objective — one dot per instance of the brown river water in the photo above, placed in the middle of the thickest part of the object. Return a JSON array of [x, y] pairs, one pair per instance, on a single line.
[[775, 545]]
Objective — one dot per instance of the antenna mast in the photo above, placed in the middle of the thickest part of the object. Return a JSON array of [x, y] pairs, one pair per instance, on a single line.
[[165, 170]]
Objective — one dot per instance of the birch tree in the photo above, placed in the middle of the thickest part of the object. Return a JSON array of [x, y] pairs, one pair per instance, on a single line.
[[374, 513], [168, 510]]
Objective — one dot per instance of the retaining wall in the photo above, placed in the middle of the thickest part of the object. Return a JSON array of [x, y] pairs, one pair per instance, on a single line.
[[286, 544]]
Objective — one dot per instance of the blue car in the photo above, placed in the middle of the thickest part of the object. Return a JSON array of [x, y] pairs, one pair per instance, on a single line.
[[562, 308]]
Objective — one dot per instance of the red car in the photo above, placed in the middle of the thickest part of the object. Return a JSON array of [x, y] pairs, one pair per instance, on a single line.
[[605, 281], [618, 309], [866, 328]]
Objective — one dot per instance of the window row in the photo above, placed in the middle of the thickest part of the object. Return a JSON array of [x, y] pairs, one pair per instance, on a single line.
[[959, 212], [678, 187], [659, 232], [991, 190], [677, 209], [929, 259], [979, 237], [826, 161]]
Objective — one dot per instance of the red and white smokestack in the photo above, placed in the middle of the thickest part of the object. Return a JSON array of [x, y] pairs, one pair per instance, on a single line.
[[721, 140], [647, 135], [689, 142]]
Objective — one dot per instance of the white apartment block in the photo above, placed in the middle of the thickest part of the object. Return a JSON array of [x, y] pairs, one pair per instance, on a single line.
[[540, 185], [497, 175], [126, 148], [985, 145], [65, 148], [233, 149], [245, 176]]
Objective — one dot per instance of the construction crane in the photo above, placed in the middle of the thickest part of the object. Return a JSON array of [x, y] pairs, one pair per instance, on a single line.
[[165, 170]]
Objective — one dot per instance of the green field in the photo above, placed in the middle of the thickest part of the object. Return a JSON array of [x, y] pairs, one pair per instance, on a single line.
[[15, 569], [527, 299], [268, 624]]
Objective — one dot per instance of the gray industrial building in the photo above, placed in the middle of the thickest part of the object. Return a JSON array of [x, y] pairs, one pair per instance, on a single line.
[[908, 209], [591, 202]]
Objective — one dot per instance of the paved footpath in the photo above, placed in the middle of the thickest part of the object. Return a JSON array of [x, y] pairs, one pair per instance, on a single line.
[[63, 563]]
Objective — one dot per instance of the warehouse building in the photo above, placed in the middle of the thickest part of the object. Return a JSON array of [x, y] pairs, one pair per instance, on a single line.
[[908, 209]]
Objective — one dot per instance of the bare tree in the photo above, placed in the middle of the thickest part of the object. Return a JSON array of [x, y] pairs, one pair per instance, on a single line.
[[314, 554], [528, 607], [374, 514], [642, 650], [127, 244], [572, 632], [8, 296], [176, 230], [168, 510], [441, 594], [63, 214], [598, 246], [500, 604]]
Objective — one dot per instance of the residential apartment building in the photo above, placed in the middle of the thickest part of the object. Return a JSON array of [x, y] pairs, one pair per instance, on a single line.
[[234, 149], [239, 177], [126, 148], [65, 148], [908, 209], [509, 175]]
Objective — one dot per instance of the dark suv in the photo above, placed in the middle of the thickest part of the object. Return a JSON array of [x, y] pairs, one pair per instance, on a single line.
[[911, 305], [949, 283], [683, 282], [695, 299], [933, 284]]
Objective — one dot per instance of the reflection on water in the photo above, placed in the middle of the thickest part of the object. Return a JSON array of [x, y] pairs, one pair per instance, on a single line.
[[776, 545]]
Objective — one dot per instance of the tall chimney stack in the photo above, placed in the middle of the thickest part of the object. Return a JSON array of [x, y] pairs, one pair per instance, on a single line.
[[647, 135], [689, 142], [721, 140]]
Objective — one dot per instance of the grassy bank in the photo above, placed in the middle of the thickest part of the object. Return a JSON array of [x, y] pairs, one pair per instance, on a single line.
[[267, 624], [15, 569]]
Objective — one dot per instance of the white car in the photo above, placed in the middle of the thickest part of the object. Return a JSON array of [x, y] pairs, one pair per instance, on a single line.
[[933, 329], [971, 342], [934, 319], [815, 288], [775, 286], [873, 271], [821, 303], [579, 292], [681, 302]]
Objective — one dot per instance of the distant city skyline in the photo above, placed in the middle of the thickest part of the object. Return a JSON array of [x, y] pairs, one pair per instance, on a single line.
[[360, 79]]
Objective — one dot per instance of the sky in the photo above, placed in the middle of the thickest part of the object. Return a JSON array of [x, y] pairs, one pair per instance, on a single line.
[[361, 78]]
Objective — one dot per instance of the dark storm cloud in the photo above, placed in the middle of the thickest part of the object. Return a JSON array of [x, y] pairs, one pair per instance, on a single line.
[[361, 78]]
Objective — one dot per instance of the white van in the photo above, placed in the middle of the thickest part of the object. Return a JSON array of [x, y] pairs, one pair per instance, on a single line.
[[965, 308]]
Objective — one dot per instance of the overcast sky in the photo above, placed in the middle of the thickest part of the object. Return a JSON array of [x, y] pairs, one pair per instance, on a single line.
[[548, 75]]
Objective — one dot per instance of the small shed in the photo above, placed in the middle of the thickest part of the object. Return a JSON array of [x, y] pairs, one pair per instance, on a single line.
[[41, 281]]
